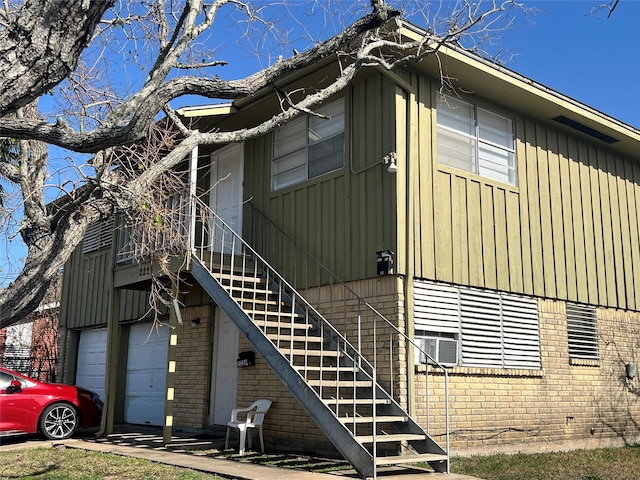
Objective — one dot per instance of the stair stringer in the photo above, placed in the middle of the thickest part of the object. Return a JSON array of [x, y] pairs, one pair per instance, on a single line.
[[428, 445], [354, 452], [411, 426]]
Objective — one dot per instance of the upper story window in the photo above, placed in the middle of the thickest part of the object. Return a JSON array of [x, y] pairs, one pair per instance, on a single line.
[[476, 140], [308, 146]]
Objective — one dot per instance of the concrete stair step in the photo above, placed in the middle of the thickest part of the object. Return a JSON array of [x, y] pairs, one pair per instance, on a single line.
[[403, 459], [396, 437]]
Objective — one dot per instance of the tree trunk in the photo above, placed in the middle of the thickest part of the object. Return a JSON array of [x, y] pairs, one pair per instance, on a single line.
[[45, 257], [41, 45]]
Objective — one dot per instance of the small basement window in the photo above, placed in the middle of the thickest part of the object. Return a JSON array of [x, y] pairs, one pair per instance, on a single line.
[[582, 332]]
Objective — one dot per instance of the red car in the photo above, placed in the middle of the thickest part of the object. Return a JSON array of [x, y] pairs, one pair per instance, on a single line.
[[54, 410]]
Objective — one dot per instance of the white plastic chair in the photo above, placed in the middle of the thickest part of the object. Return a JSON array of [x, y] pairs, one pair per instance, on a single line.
[[254, 419]]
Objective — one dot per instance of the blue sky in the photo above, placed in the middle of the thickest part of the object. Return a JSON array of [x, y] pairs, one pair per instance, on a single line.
[[590, 58], [564, 46]]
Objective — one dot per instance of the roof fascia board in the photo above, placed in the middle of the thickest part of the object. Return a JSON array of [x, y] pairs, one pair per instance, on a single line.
[[282, 82], [212, 110], [225, 109]]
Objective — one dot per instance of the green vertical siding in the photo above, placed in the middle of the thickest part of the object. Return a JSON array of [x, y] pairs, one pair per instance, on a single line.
[[87, 290], [426, 236], [569, 229], [344, 217]]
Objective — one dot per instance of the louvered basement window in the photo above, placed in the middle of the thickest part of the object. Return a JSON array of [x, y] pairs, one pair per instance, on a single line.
[[495, 329], [582, 331], [98, 236]]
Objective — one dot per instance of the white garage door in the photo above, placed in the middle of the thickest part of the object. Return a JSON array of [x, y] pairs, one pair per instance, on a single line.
[[92, 360], [146, 374]]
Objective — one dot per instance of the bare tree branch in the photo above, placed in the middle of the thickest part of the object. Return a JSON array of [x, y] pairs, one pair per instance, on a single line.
[[137, 160]]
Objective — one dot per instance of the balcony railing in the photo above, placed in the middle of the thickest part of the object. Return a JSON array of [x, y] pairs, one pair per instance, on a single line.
[[165, 229]]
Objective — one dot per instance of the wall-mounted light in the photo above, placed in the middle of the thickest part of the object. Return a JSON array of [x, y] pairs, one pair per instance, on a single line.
[[390, 160], [195, 322], [384, 262]]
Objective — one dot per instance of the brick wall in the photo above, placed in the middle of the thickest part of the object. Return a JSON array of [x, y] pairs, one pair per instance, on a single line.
[[193, 368], [287, 425], [566, 404]]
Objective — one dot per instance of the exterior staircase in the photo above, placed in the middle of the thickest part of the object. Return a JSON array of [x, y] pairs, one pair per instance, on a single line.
[[329, 376]]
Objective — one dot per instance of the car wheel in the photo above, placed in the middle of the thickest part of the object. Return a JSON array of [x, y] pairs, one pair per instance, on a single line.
[[58, 421]]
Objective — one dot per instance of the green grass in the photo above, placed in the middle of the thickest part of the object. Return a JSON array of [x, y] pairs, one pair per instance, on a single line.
[[600, 464], [76, 464]]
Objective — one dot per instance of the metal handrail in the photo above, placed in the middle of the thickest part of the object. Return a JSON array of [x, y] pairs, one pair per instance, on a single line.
[[214, 235], [232, 244], [335, 280]]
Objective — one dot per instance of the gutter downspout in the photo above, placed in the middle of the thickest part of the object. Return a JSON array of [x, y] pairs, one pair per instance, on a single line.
[[409, 232]]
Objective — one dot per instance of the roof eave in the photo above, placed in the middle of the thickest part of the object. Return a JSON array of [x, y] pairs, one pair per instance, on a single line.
[[523, 94]]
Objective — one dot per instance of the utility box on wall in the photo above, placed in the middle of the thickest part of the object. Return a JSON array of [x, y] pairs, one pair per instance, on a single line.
[[246, 359], [631, 370], [385, 262]]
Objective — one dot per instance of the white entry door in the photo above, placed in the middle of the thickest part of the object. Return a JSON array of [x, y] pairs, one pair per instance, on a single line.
[[226, 192], [146, 374], [92, 360], [225, 370]]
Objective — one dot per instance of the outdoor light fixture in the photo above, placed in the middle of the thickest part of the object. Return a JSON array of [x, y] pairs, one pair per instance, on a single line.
[[195, 322], [390, 160]]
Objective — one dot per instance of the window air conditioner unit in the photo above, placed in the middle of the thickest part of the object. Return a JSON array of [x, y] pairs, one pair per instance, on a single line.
[[443, 350]]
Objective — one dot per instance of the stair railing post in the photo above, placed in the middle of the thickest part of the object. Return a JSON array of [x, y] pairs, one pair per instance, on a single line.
[[391, 362], [360, 336], [375, 420], [446, 419], [374, 409], [427, 403]]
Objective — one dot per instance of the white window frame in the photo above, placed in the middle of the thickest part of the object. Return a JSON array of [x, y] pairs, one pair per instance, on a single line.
[[481, 150], [582, 332], [294, 143]]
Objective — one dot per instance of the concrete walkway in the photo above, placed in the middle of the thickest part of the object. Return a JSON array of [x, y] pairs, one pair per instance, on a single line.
[[234, 469], [231, 469]]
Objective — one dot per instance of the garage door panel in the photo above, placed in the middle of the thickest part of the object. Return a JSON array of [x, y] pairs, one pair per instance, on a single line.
[[92, 360], [146, 374]]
